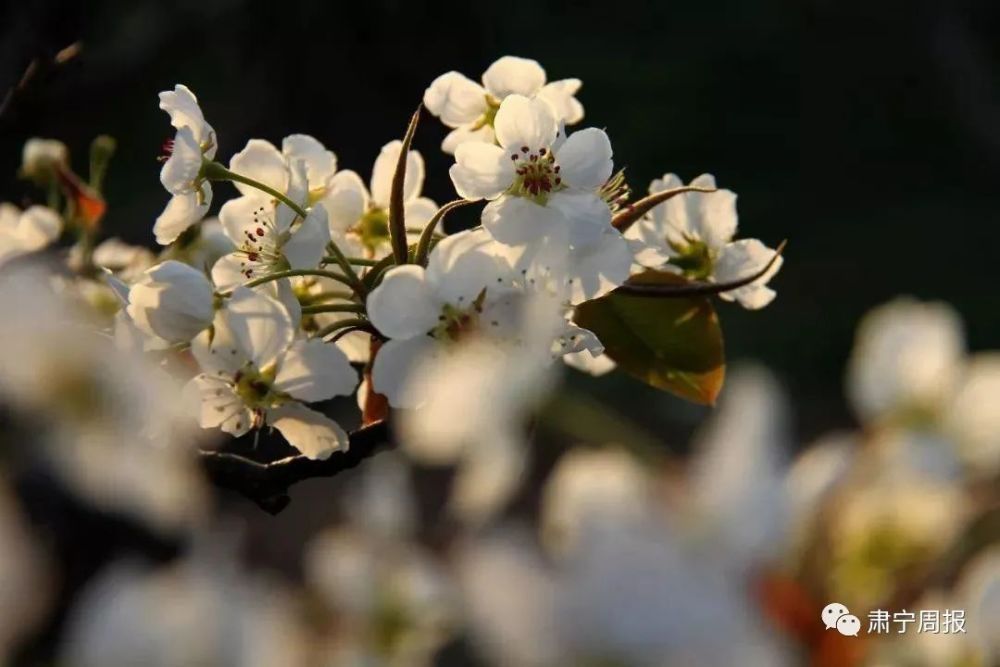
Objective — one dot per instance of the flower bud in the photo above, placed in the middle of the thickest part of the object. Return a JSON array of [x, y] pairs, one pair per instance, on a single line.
[[41, 158], [172, 301]]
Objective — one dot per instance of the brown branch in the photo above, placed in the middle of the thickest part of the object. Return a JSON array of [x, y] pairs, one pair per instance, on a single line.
[[267, 484], [626, 217], [698, 288]]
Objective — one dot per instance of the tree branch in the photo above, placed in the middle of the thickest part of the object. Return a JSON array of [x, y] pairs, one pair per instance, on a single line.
[[267, 484]]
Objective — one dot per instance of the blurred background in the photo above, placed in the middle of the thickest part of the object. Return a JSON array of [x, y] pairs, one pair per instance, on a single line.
[[865, 133]]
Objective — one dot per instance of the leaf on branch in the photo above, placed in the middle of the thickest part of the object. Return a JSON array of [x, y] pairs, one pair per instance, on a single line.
[[397, 215], [267, 484], [630, 213], [672, 344]]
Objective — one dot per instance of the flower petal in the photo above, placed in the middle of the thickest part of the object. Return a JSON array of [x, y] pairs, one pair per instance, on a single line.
[[308, 242], [741, 259], [522, 122], [313, 371], [227, 272], [419, 211], [511, 75], [516, 220], [598, 268], [216, 350], [220, 407], [385, 168], [455, 99], [461, 266], [588, 216], [261, 161], [345, 201], [393, 365], [181, 212], [181, 170], [402, 306], [585, 159], [460, 135], [183, 108], [261, 325], [37, 227], [308, 431], [481, 171], [321, 164], [561, 97]]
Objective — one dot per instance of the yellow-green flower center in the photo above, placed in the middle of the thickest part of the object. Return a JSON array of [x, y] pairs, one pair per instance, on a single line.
[[373, 228], [695, 259]]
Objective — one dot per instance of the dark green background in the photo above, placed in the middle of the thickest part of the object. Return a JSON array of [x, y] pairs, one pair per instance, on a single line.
[[867, 133]]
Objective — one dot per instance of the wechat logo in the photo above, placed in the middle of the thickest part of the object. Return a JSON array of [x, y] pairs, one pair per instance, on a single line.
[[837, 616]]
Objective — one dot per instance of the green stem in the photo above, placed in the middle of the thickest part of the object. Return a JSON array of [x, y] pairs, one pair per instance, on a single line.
[[353, 280], [357, 261], [342, 324], [427, 233], [291, 273], [333, 308], [323, 297]]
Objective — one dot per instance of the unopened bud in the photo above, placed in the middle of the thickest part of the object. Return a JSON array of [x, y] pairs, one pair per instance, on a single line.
[[41, 159]]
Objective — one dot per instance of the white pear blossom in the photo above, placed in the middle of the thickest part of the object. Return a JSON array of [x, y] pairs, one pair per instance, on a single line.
[[359, 217], [470, 108], [537, 186], [907, 357], [23, 232], [193, 143], [256, 372], [269, 236], [692, 234], [172, 301], [203, 245]]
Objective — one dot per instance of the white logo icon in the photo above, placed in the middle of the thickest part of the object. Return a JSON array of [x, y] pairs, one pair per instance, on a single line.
[[849, 625], [832, 612], [836, 615]]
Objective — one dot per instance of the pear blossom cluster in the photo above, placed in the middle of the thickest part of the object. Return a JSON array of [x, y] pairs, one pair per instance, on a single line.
[[295, 291]]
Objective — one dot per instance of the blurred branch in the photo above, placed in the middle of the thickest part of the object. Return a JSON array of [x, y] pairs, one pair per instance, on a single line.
[[32, 70], [267, 484]]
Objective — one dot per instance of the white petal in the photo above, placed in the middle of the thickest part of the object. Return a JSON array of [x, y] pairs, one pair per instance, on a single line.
[[385, 167], [511, 75], [560, 96], [298, 192], [403, 306], [585, 159], [321, 164], [481, 171], [345, 201], [599, 268], [217, 351], [227, 272], [172, 301], [309, 240], [589, 363], [37, 227], [183, 108], [455, 99], [262, 162], [461, 266], [313, 371], [516, 220], [460, 135], [588, 216], [261, 325], [308, 431], [488, 478], [181, 212], [741, 259], [419, 211], [394, 362], [220, 407], [522, 122], [181, 169], [717, 212]]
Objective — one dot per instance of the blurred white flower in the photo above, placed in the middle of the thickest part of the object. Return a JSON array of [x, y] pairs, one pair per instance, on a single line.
[[23, 232], [692, 234], [193, 143], [110, 423], [172, 301], [25, 581], [470, 108], [972, 418], [202, 245], [125, 260], [359, 218], [906, 360], [201, 611], [256, 372]]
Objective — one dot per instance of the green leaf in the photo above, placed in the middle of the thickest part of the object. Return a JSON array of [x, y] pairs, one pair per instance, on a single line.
[[672, 344]]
